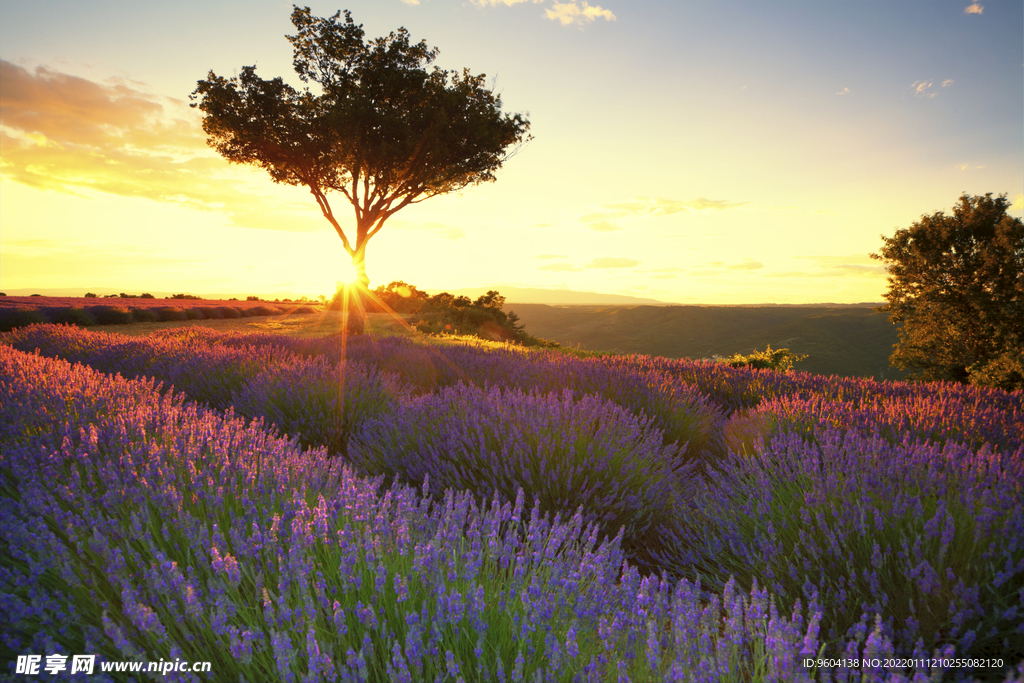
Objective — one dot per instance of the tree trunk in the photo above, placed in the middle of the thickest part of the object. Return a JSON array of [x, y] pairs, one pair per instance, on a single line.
[[357, 298]]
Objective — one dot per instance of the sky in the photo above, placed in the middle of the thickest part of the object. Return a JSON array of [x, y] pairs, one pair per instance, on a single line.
[[717, 152]]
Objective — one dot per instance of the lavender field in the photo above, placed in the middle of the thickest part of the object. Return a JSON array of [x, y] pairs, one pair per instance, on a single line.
[[388, 510]]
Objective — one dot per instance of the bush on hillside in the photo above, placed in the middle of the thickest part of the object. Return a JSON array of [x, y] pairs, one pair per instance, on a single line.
[[169, 313], [70, 316], [111, 315], [447, 314], [145, 315], [778, 359], [11, 318]]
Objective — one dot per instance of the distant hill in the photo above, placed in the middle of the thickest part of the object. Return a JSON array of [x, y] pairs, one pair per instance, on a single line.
[[851, 340], [534, 295]]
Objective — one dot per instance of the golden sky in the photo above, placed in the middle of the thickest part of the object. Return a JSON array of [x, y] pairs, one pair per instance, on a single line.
[[690, 152]]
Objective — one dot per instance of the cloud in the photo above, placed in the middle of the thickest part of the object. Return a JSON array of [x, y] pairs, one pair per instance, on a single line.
[[543, 225], [72, 135], [969, 167], [507, 3], [411, 2], [974, 8], [924, 88], [577, 12], [857, 265], [843, 91], [448, 232], [603, 226], [612, 262], [560, 268], [748, 264], [646, 207]]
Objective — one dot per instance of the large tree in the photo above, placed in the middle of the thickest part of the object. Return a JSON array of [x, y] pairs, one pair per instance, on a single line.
[[376, 126], [956, 283]]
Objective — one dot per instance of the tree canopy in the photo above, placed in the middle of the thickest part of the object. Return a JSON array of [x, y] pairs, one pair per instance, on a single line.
[[372, 123], [956, 283]]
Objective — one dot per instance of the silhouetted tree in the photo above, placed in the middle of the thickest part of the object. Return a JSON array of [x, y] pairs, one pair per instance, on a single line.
[[380, 128], [957, 285]]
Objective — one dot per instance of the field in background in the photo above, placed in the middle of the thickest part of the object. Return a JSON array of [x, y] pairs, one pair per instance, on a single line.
[[845, 341]]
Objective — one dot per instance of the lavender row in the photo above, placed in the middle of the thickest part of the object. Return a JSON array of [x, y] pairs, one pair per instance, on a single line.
[[897, 419], [565, 450], [937, 411], [684, 415], [140, 527], [303, 396], [929, 538]]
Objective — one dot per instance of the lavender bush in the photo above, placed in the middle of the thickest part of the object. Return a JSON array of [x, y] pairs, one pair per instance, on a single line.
[[927, 538], [138, 526], [885, 517], [565, 450]]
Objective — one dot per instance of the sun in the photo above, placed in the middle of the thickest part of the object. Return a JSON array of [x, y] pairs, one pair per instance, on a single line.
[[347, 273]]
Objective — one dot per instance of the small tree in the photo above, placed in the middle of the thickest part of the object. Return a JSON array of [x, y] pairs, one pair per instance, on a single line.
[[957, 285], [380, 129]]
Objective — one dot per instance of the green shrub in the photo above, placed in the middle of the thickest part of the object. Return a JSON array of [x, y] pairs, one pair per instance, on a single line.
[[194, 313], [111, 315], [229, 312], [70, 316], [90, 295], [169, 313], [264, 310], [11, 318], [212, 313], [145, 315], [779, 359], [1005, 371]]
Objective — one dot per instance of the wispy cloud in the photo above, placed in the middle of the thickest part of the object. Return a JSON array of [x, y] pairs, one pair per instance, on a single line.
[[974, 8], [76, 136], [596, 223], [969, 167], [507, 3], [748, 264], [411, 2], [924, 88], [442, 230], [560, 268], [612, 262], [855, 265], [577, 12], [843, 91], [921, 88], [646, 207]]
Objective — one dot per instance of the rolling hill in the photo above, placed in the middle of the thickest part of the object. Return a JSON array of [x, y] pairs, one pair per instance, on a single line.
[[850, 341]]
